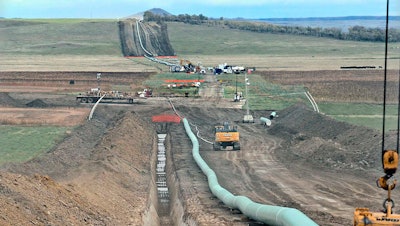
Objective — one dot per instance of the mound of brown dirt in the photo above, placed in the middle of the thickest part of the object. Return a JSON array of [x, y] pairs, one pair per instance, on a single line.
[[99, 175], [324, 141], [38, 200], [75, 149]]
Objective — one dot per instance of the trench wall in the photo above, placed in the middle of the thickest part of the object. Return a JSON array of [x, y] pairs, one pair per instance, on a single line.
[[150, 217]]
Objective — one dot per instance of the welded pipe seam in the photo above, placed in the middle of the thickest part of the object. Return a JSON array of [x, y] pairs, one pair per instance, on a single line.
[[272, 215]]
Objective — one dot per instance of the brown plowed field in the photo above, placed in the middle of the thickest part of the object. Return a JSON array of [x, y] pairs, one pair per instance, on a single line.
[[56, 81], [343, 85], [103, 171]]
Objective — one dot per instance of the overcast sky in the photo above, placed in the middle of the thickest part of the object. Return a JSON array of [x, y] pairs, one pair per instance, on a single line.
[[210, 8]]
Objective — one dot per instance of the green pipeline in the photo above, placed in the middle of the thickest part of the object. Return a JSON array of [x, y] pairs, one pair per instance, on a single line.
[[271, 215]]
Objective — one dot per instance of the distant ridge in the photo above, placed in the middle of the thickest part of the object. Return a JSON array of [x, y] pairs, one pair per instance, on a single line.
[[156, 11], [332, 18]]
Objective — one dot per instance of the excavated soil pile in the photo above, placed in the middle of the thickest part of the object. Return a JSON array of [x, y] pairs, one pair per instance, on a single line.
[[99, 175], [153, 36], [315, 138]]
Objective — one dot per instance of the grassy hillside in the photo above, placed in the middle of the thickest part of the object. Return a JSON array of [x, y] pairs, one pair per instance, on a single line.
[[59, 36], [197, 39], [84, 36], [213, 45]]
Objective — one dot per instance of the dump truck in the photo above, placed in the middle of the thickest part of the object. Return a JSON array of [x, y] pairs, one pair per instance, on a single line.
[[226, 135]]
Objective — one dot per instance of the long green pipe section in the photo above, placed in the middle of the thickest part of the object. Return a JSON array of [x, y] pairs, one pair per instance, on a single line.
[[271, 215]]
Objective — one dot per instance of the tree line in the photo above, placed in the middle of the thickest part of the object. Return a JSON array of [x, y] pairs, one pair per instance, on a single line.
[[355, 33]]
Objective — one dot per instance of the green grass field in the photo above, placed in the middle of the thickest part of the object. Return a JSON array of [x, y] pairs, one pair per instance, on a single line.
[[59, 36], [369, 115], [21, 143], [202, 40], [261, 94]]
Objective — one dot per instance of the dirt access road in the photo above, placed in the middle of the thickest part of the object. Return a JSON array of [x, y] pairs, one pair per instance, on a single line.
[[103, 172]]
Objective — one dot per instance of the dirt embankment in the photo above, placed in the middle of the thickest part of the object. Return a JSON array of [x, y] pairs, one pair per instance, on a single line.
[[320, 140], [99, 175], [153, 36]]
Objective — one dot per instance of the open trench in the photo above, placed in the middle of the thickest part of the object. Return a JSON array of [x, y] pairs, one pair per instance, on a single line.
[[168, 206], [139, 38], [161, 182]]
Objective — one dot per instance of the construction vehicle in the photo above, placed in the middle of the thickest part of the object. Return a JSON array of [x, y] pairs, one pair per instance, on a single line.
[[95, 94], [390, 162], [226, 135], [145, 93], [183, 83], [238, 69], [188, 66]]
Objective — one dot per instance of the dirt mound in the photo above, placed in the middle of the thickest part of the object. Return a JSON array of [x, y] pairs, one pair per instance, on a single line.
[[326, 142], [38, 200], [154, 38], [82, 141], [37, 103], [6, 100], [98, 175]]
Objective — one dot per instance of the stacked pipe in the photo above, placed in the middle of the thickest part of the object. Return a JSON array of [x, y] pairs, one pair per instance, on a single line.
[[265, 121], [271, 215]]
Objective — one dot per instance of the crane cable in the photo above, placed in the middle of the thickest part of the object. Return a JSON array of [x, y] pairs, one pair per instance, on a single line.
[[385, 89], [385, 79], [398, 113], [390, 157]]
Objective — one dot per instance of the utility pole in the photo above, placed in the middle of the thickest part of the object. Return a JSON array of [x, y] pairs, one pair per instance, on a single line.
[[98, 80], [247, 118], [236, 98]]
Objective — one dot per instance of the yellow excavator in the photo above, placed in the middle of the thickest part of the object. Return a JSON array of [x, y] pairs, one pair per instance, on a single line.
[[226, 135], [390, 162]]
